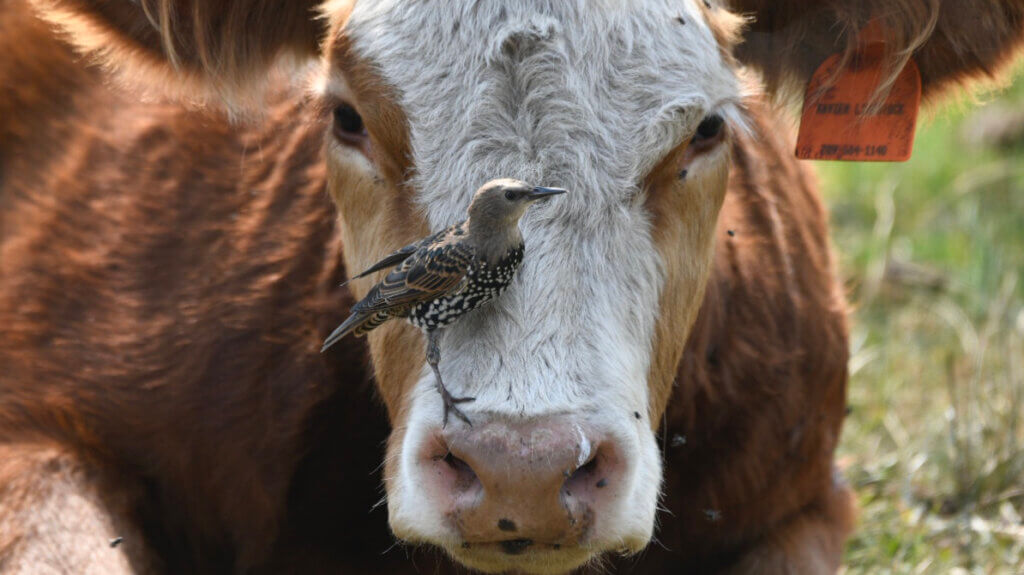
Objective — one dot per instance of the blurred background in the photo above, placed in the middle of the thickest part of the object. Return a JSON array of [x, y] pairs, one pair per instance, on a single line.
[[932, 255]]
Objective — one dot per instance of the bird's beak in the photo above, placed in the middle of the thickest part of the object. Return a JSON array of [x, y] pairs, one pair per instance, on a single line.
[[539, 192]]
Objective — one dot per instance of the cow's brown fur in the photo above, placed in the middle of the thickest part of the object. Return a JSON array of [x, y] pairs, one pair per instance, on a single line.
[[376, 215], [759, 397], [197, 50], [953, 41], [166, 278], [685, 211]]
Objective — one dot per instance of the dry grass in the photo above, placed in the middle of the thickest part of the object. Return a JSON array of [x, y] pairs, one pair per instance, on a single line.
[[933, 254]]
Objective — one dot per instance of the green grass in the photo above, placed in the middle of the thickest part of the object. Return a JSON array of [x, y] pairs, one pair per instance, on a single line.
[[932, 253]]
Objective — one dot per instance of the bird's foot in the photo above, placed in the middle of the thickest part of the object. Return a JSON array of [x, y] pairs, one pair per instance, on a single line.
[[450, 401], [450, 405]]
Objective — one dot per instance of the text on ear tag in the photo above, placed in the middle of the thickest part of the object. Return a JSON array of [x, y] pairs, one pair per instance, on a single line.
[[833, 125]]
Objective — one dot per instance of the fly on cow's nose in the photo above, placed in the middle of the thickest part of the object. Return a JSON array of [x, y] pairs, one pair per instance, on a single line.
[[440, 278]]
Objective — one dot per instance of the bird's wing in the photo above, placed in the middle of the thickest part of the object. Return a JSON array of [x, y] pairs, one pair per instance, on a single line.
[[398, 256], [435, 270]]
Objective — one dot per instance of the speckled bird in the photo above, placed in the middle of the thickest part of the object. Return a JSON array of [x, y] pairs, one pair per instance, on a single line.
[[448, 274]]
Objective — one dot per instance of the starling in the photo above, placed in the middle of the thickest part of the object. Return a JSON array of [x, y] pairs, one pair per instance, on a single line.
[[450, 273]]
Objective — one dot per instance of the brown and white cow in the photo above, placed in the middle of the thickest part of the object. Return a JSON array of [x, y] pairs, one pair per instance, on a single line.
[[167, 276]]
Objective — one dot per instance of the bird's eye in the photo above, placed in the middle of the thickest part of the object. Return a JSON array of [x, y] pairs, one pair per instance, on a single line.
[[511, 195], [709, 128], [348, 125]]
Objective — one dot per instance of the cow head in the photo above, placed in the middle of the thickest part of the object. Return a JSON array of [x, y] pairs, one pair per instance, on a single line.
[[630, 106]]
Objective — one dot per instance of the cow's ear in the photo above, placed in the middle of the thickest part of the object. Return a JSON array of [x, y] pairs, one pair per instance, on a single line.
[[953, 41], [195, 49]]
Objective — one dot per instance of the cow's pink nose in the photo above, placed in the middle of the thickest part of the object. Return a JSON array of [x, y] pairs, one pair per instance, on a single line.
[[516, 486]]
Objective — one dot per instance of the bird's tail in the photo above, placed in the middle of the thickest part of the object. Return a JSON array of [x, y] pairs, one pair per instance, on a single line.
[[357, 323]]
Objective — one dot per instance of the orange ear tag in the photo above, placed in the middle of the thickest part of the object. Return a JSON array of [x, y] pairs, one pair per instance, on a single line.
[[833, 125]]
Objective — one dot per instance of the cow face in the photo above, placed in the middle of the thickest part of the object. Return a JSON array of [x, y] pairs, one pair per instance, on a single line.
[[629, 107]]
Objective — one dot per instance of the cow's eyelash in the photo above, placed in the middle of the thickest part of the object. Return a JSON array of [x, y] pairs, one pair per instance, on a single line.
[[325, 103]]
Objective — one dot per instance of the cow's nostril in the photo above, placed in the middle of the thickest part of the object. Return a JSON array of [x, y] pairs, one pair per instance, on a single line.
[[464, 476], [583, 471], [590, 482], [456, 463], [578, 483]]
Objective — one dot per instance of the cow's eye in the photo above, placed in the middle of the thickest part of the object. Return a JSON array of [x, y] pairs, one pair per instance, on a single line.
[[709, 128], [710, 132], [348, 124]]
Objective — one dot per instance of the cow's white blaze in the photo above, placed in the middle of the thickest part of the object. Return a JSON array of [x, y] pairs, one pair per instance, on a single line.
[[586, 95]]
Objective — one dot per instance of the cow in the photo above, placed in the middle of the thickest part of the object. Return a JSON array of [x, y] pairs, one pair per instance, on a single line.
[[184, 185]]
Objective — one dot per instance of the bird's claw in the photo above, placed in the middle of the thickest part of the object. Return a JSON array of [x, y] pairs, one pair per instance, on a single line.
[[450, 403]]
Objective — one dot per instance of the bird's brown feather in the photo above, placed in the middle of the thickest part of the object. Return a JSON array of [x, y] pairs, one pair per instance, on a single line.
[[401, 254], [434, 270]]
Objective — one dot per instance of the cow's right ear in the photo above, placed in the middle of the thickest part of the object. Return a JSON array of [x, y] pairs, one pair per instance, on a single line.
[[191, 49], [953, 41]]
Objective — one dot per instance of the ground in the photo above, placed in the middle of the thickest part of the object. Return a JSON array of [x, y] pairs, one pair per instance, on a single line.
[[932, 254]]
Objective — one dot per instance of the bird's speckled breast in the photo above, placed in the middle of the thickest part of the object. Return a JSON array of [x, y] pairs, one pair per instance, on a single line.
[[484, 282]]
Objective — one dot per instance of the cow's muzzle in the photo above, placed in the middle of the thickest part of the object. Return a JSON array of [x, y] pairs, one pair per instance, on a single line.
[[536, 488]]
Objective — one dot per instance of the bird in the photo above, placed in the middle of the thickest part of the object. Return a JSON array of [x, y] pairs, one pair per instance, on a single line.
[[440, 278]]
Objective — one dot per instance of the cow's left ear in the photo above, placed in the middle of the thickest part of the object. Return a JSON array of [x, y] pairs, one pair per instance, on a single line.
[[194, 49], [953, 41]]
